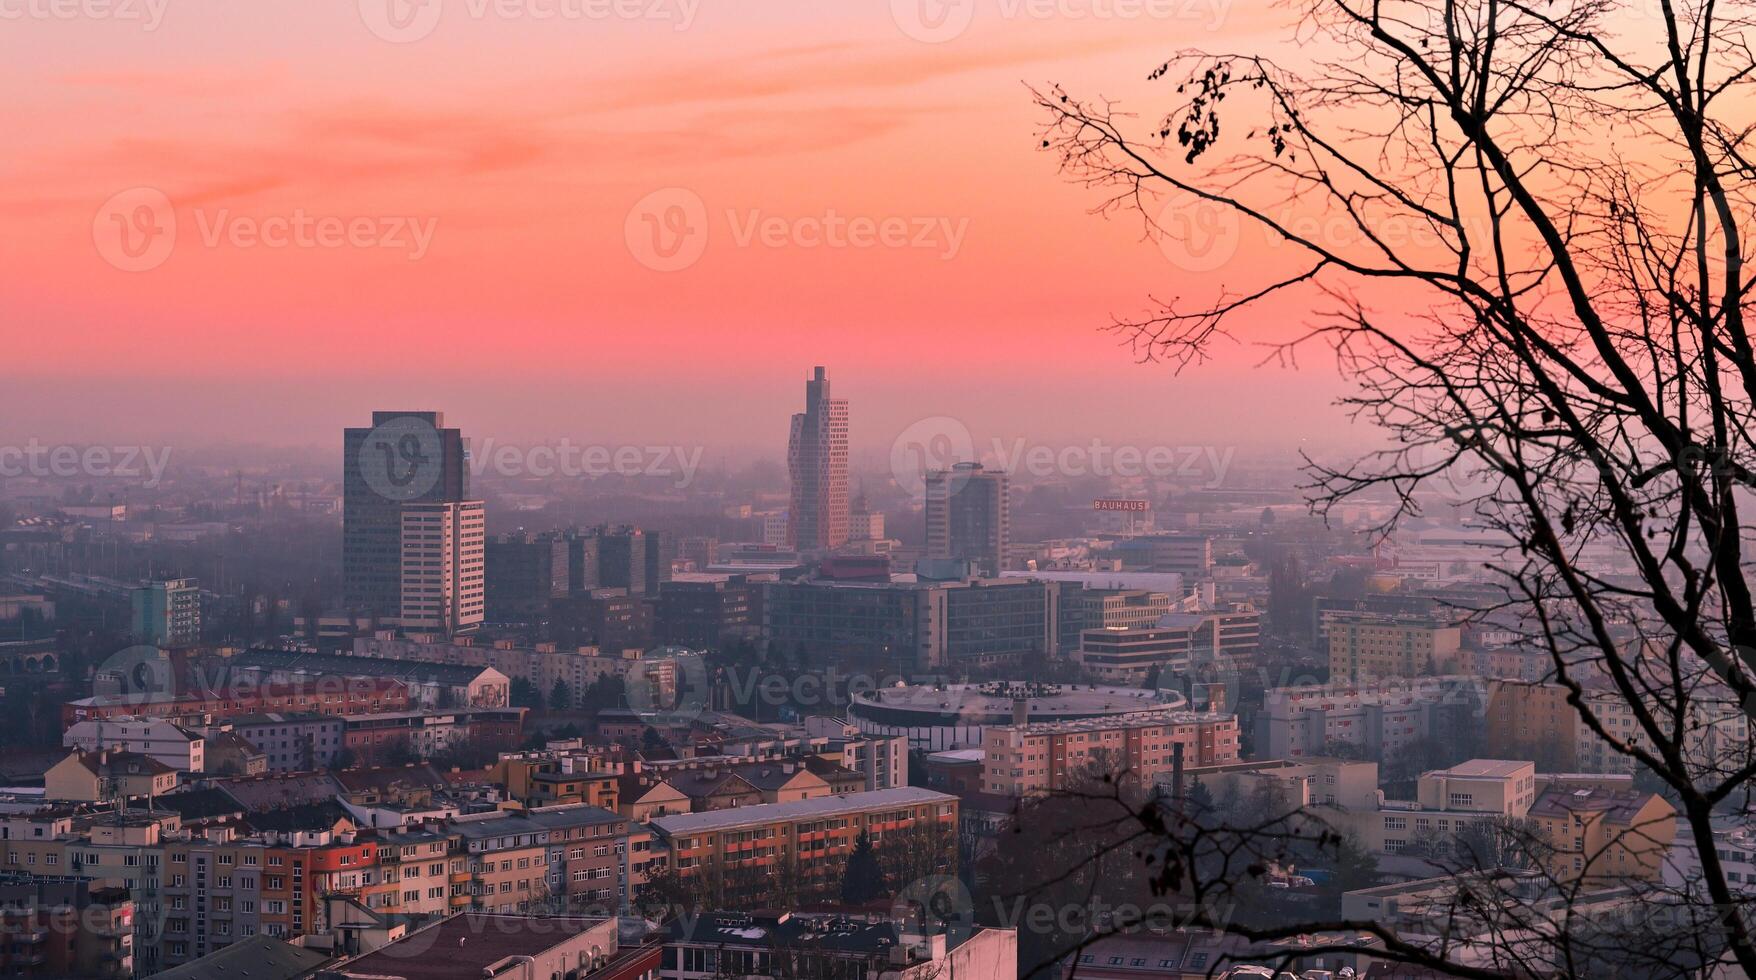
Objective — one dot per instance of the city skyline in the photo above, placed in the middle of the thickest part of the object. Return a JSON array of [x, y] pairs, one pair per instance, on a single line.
[[1271, 492]]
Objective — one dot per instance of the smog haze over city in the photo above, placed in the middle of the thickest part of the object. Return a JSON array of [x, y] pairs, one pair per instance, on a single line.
[[998, 489]]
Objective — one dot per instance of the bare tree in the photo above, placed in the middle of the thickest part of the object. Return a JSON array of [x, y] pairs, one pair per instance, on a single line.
[[1523, 229]]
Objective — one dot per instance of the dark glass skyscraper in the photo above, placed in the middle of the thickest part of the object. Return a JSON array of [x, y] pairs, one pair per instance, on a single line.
[[405, 457]]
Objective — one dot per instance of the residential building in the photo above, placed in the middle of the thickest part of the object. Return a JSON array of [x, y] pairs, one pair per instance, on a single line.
[[1365, 647], [429, 684], [1601, 835], [1379, 719], [933, 717], [543, 665], [739, 848], [1038, 759], [386, 737], [231, 754], [106, 775], [817, 468], [443, 566], [1529, 720], [167, 612], [252, 691], [293, 741], [174, 746], [54, 927]]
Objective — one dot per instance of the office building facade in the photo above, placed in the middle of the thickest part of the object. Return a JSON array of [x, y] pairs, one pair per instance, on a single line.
[[817, 465]]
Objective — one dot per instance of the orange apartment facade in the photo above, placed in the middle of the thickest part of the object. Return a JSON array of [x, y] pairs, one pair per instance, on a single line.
[[1036, 759], [811, 838]]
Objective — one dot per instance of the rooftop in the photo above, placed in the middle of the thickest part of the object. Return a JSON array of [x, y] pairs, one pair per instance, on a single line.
[[787, 930], [256, 958], [829, 806], [1616, 806], [462, 947], [997, 698], [1156, 716], [1484, 769], [345, 666]]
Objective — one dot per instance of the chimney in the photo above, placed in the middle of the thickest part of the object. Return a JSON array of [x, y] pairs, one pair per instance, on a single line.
[[1020, 711]]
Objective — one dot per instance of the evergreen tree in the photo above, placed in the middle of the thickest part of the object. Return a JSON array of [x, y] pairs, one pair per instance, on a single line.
[[863, 880]]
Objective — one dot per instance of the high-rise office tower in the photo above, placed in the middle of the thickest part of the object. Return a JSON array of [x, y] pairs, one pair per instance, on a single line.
[[967, 516], [442, 566], [817, 462], [622, 559], [525, 573], [404, 458]]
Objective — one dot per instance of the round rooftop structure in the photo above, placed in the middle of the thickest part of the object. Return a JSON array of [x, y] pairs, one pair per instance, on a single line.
[[936, 718]]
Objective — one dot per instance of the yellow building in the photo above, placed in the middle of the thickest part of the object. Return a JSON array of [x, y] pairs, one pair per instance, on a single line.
[[1367, 648], [102, 775], [1604, 835]]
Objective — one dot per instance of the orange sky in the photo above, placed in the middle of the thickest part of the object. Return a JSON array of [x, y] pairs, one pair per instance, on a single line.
[[521, 135]]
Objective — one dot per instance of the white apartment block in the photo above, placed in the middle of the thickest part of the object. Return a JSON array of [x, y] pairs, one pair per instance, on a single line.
[[156, 738], [1381, 718], [444, 554]]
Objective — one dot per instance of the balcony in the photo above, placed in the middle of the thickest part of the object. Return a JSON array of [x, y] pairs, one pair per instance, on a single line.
[[461, 877]]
